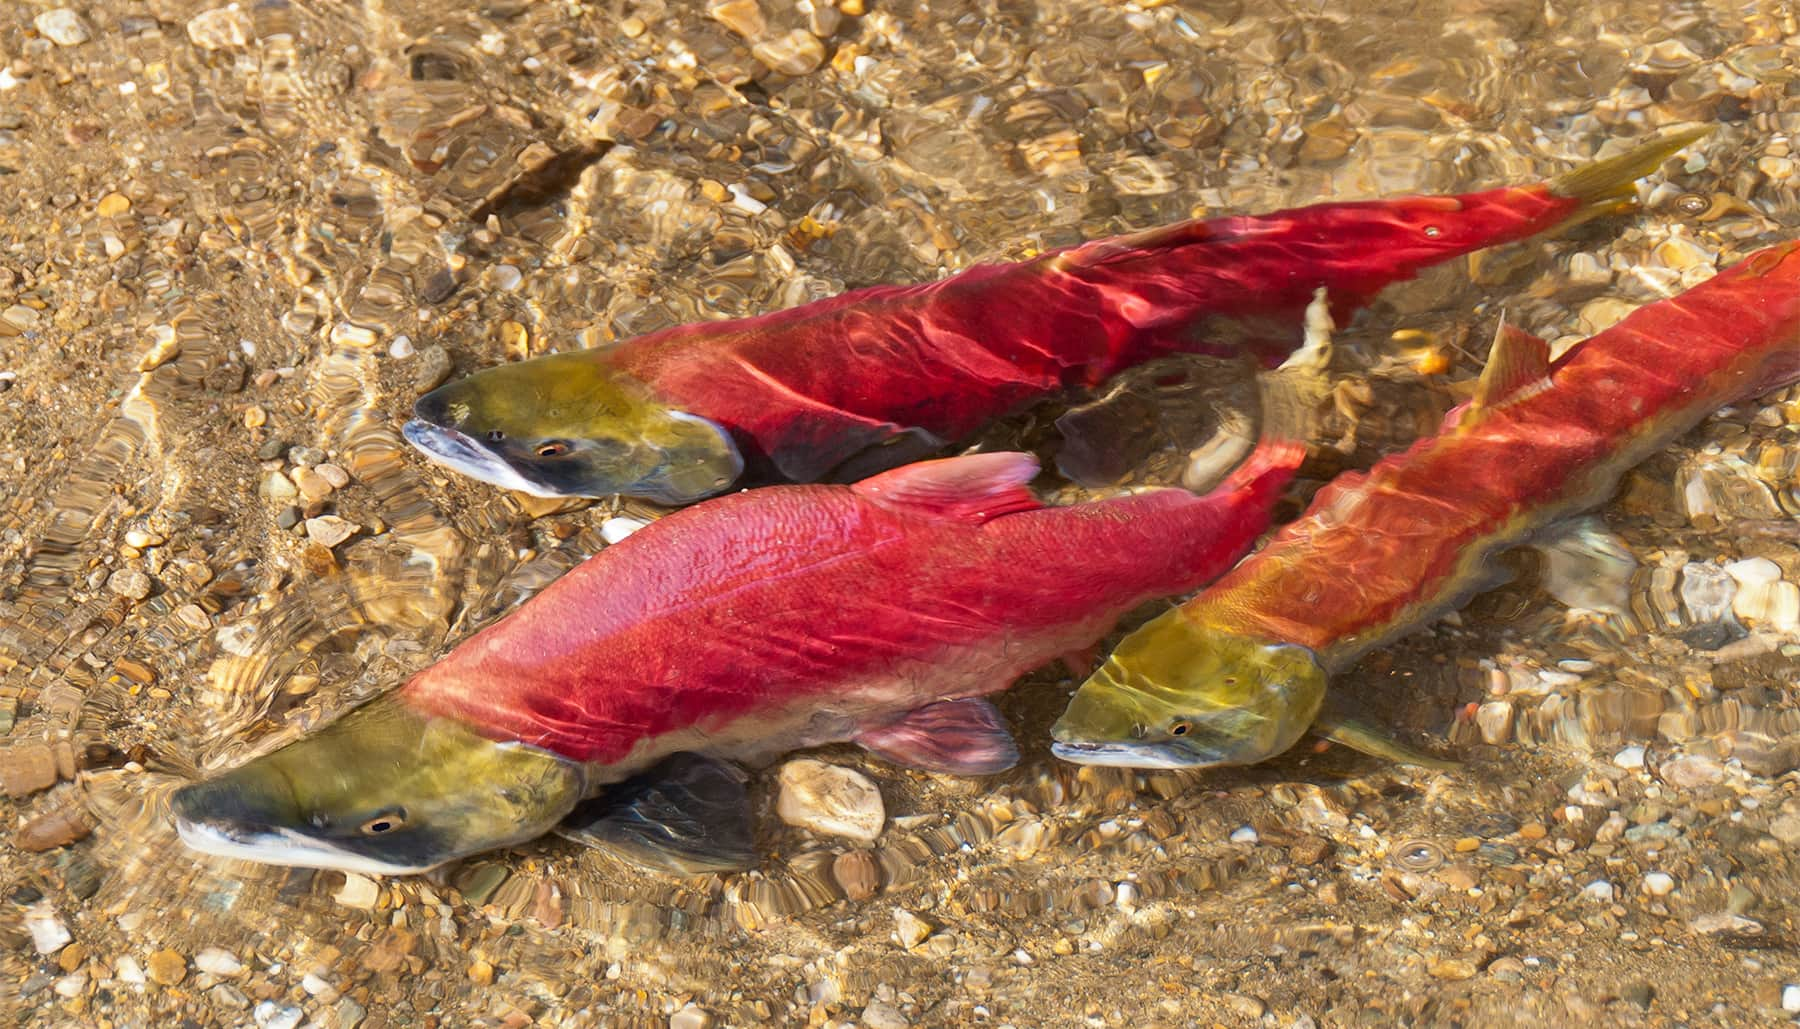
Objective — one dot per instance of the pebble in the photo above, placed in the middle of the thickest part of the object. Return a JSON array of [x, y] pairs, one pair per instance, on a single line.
[[112, 205], [1790, 998], [330, 530], [62, 27], [617, 528], [167, 967], [1244, 834], [1785, 828], [48, 933], [127, 970], [1599, 890], [909, 929], [857, 873], [336, 476], [306, 457], [434, 367], [1629, 757], [877, 1015], [218, 961], [691, 1017], [358, 891], [129, 583], [220, 28], [312, 485], [402, 347], [1494, 720], [1246, 1006], [1659, 884], [481, 972], [269, 1015], [1690, 771], [828, 799], [796, 53], [278, 488]]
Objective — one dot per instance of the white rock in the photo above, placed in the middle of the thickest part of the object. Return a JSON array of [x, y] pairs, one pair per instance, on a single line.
[[48, 933], [218, 961], [1494, 720], [1691, 770], [358, 891], [1599, 890], [1790, 997], [909, 929], [831, 800], [71, 985], [270, 1015], [691, 1017], [1244, 834], [220, 28], [1630, 757], [62, 27], [1659, 884], [401, 347], [1753, 571], [330, 530], [615, 529], [127, 970], [876, 1015], [507, 277]]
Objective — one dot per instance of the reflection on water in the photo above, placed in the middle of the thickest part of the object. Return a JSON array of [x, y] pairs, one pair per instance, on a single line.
[[238, 241]]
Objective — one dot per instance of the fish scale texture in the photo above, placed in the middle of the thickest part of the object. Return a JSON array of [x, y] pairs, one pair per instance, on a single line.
[[799, 614], [1377, 553], [807, 388]]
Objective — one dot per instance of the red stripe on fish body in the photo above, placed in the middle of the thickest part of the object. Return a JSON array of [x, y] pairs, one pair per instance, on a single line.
[[808, 387], [1378, 554], [795, 615]]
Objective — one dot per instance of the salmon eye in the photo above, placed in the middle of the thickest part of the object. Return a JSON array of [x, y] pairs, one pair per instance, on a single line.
[[1180, 727], [1433, 232], [385, 822], [552, 448]]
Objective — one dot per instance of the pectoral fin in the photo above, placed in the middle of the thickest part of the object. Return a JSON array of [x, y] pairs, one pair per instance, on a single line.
[[1367, 739], [687, 815], [957, 737], [1586, 565]]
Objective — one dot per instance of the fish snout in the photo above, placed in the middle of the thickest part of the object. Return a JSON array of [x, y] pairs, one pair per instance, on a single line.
[[233, 809]]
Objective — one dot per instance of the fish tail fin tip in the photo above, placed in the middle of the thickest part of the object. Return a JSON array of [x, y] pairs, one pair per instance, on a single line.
[[1600, 185]]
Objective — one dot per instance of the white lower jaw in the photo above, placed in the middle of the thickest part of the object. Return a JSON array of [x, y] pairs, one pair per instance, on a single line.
[[1116, 757], [285, 848], [459, 454]]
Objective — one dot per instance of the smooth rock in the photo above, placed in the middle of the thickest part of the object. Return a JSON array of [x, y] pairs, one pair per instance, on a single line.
[[909, 929], [220, 28], [1690, 771], [167, 967], [828, 799], [130, 583], [1494, 720], [1630, 757], [876, 1015], [46, 928], [358, 891], [62, 27], [330, 530], [1659, 884], [1599, 890], [218, 961], [1790, 998], [1244, 834], [615, 529], [691, 1017]]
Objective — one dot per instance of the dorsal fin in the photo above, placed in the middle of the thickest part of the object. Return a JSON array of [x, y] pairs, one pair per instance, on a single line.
[[973, 488], [1518, 361]]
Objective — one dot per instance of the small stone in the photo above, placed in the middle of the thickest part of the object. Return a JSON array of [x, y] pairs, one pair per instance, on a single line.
[[288, 517], [71, 986], [1639, 993], [1309, 850], [218, 961], [1659, 884], [402, 347], [330, 530], [1494, 720], [334, 475], [358, 891], [62, 27], [1786, 828], [167, 967], [615, 529], [743, 17], [220, 28], [481, 973], [127, 970], [1599, 890], [269, 1015], [1453, 969], [313, 486], [278, 488], [857, 873], [1790, 998], [1506, 968], [46, 928], [349, 1014], [828, 799], [516, 339], [1630, 757], [72, 957], [909, 929], [633, 27], [1725, 922], [129, 583], [795, 53], [507, 277], [1533, 831], [1244, 834], [112, 205], [1691, 770], [691, 1017], [434, 367], [1245, 1006], [877, 1015], [306, 457]]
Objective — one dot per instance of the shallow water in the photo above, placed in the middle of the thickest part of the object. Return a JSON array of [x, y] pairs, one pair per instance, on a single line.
[[229, 232]]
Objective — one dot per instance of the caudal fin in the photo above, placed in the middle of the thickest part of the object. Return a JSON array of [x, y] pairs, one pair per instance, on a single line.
[[1605, 185]]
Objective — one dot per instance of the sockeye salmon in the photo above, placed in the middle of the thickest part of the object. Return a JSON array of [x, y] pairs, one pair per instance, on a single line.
[[876, 377], [761, 622], [1239, 672]]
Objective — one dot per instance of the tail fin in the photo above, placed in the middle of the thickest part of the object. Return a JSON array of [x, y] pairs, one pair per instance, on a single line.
[[1605, 185]]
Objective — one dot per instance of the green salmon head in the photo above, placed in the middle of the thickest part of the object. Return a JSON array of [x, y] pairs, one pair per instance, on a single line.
[[385, 789], [1177, 695], [566, 425]]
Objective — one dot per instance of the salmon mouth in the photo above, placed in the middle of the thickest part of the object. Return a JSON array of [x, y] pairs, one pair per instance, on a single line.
[[269, 845], [463, 454], [1132, 755]]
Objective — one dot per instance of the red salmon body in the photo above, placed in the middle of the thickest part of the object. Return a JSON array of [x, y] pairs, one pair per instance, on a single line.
[[798, 615]]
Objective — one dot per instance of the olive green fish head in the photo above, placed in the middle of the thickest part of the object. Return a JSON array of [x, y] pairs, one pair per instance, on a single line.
[[385, 789], [1178, 695], [567, 425]]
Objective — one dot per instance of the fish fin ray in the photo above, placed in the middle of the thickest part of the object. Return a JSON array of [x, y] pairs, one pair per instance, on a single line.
[[955, 737], [1518, 366], [1608, 183], [972, 488], [1367, 739], [685, 815]]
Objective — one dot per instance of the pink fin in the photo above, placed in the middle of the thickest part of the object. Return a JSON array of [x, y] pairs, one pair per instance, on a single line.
[[974, 488], [1517, 362], [957, 737]]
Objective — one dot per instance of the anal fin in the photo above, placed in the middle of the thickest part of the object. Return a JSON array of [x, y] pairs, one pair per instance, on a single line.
[[956, 737], [1367, 739], [686, 815]]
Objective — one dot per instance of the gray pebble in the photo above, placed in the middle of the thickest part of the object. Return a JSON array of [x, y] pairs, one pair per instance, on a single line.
[[129, 582]]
